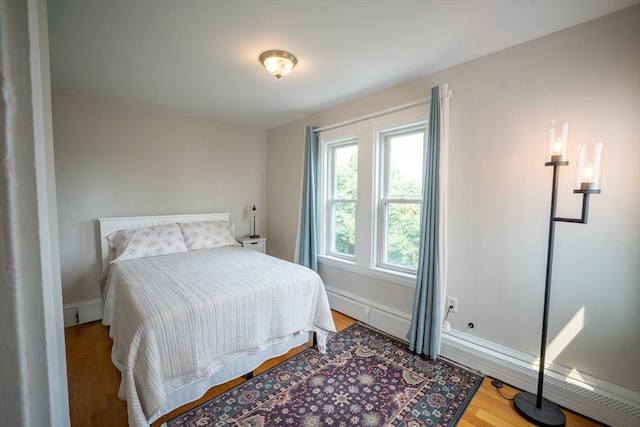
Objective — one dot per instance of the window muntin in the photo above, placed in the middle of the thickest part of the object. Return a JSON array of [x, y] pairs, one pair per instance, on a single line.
[[342, 198], [400, 201]]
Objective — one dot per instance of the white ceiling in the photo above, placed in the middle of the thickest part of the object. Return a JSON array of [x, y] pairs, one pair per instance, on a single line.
[[200, 57]]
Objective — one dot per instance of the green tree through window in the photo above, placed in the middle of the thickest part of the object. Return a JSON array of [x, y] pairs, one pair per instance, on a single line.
[[344, 200], [403, 224]]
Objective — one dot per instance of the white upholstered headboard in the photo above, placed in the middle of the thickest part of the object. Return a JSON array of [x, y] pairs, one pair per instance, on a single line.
[[109, 225]]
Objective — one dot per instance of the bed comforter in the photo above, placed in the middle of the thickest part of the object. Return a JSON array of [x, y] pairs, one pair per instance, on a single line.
[[176, 319]]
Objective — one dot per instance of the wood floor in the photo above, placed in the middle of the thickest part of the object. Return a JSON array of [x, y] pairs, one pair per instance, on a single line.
[[94, 381]]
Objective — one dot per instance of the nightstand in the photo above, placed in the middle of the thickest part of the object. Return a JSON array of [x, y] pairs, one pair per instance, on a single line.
[[257, 243]]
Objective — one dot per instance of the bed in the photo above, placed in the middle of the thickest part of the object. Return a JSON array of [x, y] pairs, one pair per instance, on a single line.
[[189, 308]]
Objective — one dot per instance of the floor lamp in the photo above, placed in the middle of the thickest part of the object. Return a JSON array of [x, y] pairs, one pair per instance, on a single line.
[[535, 408]]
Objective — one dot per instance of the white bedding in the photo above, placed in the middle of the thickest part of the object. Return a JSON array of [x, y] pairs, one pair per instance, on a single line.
[[172, 324]]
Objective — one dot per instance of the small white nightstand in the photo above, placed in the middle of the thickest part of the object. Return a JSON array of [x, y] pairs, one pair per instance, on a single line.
[[254, 243]]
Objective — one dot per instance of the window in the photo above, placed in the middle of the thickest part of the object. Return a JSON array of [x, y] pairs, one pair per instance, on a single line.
[[371, 174], [342, 198], [400, 202]]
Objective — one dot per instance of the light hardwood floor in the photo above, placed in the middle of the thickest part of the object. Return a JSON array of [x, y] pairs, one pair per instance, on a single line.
[[94, 381]]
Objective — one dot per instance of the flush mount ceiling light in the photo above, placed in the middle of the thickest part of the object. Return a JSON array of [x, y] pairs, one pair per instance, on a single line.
[[278, 62]]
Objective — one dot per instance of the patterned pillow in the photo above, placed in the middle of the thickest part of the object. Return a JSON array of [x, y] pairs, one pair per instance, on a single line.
[[147, 241], [207, 234]]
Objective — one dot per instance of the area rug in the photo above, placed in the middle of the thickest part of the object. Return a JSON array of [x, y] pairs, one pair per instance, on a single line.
[[366, 378]]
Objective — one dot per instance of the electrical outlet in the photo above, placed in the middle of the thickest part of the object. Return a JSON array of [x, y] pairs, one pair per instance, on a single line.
[[453, 303]]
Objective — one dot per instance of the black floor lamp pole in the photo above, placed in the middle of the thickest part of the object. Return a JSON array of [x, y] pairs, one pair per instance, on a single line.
[[547, 285], [536, 409]]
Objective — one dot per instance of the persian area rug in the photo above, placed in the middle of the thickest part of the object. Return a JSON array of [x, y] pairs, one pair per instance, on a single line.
[[365, 379]]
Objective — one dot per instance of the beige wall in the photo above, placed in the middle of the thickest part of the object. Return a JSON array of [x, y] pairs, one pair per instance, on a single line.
[[119, 160], [499, 192]]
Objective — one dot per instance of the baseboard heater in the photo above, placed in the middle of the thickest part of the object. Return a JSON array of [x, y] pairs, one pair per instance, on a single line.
[[591, 397], [80, 312]]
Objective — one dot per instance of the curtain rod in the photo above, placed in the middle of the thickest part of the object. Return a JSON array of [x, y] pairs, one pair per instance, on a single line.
[[415, 103]]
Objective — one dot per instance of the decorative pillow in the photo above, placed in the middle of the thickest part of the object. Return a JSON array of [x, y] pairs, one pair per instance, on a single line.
[[147, 241], [207, 234]]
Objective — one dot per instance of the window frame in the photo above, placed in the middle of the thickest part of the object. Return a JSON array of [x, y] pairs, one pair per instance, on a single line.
[[329, 223], [384, 178], [367, 230]]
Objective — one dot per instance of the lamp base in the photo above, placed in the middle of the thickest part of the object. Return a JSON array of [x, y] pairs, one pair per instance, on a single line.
[[549, 415], [254, 236]]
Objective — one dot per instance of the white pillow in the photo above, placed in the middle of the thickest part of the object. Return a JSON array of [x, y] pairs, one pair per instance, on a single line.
[[207, 234], [147, 241]]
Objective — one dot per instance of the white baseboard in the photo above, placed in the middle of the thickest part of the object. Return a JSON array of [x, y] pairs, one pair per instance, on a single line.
[[80, 312], [586, 395]]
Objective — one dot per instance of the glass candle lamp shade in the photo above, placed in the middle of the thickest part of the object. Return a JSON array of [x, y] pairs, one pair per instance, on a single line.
[[557, 137], [589, 171]]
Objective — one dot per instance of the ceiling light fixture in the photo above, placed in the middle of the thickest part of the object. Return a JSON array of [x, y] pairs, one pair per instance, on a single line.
[[278, 62]]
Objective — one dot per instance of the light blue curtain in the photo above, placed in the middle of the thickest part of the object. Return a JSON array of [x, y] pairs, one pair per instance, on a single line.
[[308, 245], [425, 322]]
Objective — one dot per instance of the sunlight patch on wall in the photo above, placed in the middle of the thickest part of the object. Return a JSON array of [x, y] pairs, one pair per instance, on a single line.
[[562, 340]]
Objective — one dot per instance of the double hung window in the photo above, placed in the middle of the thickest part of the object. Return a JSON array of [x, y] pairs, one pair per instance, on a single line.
[[342, 198], [400, 199], [372, 177]]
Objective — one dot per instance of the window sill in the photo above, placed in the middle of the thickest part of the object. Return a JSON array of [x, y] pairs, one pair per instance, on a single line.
[[390, 276]]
